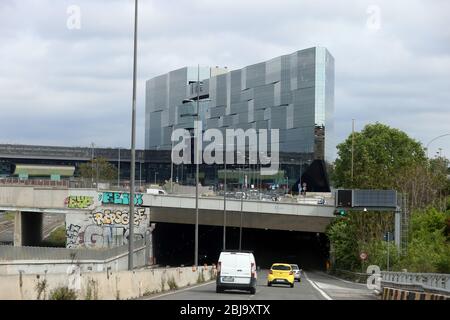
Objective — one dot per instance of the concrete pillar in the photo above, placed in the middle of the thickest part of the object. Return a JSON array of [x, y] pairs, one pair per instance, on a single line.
[[18, 229], [397, 229]]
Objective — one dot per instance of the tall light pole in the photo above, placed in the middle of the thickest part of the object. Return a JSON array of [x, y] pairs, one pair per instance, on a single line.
[[118, 171], [197, 168], [92, 165], [225, 200], [140, 173], [353, 145], [171, 166], [242, 202], [133, 146]]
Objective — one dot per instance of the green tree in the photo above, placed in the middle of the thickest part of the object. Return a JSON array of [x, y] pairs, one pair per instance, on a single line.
[[99, 167], [386, 158], [429, 247], [380, 152]]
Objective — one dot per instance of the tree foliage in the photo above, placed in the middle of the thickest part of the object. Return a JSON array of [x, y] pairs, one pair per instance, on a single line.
[[379, 153], [386, 158], [98, 168]]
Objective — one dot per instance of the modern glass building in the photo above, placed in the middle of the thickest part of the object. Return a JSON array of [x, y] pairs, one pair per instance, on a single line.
[[293, 93]]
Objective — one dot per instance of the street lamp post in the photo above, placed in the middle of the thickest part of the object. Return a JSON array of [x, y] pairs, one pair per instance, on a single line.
[[242, 203], [428, 144], [225, 200], [118, 171], [133, 146], [197, 167], [140, 173], [92, 165]]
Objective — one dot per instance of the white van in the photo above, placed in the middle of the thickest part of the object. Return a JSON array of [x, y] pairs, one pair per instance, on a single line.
[[236, 270], [156, 191]]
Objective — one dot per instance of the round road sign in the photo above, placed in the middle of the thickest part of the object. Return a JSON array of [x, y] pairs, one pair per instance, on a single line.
[[363, 256]]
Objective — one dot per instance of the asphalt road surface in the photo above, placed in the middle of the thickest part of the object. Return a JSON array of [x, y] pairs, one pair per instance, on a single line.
[[314, 286]]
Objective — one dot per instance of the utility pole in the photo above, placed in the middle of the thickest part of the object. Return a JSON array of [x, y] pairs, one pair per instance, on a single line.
[[353, 145], [92, 165], [225, 200], [197, 167], [388, 243], [133, 146], [118, 172], [242, 202], [171, 166]]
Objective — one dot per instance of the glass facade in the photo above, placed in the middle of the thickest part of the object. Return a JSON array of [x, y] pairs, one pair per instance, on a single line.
[[293, 93]]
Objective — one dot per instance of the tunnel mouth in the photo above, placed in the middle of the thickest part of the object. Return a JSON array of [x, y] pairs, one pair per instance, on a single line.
[[174, 245]]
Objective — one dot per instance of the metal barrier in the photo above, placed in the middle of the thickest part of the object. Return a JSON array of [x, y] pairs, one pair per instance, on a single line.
[[430, 282]]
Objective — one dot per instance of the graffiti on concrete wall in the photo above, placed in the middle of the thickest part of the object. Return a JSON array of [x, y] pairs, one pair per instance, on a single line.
[[71, 235], [79, 202], [104, 228], [117, 217], [120, 198]]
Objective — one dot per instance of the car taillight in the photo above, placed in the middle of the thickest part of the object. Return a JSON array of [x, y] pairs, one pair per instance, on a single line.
[[270, 272], [219, 264], [291, 273]]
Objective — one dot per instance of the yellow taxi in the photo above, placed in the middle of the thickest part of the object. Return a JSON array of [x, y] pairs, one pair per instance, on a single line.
[[281, 273]]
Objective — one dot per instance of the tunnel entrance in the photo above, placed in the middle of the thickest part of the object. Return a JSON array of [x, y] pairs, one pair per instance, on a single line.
[[174, 245]]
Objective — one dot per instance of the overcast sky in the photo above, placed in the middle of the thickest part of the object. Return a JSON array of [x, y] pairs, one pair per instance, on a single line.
[[70, 86]]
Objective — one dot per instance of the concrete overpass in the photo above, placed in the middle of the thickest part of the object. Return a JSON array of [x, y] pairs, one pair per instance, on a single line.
[[101, 209]]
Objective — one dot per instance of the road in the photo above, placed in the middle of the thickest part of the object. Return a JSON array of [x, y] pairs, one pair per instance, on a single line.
[[314, 286]]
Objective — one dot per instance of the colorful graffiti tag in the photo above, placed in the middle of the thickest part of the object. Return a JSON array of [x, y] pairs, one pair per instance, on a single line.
[[79, 202], [72, 235], [119, 198], [104, 227], [118, 217]]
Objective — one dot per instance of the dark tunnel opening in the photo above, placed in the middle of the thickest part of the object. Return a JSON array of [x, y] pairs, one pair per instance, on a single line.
[[174, 245]]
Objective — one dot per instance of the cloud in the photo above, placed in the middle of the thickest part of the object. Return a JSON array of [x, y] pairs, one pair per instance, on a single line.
[[71, 87]]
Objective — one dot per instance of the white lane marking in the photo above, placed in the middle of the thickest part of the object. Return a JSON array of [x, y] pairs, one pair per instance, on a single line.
[[181, 290], [317, 288]]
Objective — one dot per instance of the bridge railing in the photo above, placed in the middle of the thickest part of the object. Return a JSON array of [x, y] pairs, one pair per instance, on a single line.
[[432, 282]]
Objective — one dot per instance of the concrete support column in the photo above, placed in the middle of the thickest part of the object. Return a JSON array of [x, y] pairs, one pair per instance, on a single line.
[[397, 229], [18, 229]]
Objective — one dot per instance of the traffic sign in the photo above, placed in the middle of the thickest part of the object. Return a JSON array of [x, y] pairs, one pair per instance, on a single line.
[[363, 256]]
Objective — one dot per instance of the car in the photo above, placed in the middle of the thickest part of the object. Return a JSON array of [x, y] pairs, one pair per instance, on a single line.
[[240, 195], [236, 270], [297, 272], [156, 191], [281, 273]]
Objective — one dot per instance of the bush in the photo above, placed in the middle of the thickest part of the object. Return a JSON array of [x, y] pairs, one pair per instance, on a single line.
[[56, 239], [428, 247], [63, 293]]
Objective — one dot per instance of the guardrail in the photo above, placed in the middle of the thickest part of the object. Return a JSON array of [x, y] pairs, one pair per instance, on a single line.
[[424, 282]]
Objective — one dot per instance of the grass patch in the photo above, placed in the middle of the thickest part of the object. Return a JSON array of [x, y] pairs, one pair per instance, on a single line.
[[56, 239], [9, 216], [63, 293]]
